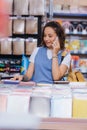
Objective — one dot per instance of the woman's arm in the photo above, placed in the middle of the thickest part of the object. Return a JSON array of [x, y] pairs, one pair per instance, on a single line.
[[29, 72], [58, 71], [27, 76]]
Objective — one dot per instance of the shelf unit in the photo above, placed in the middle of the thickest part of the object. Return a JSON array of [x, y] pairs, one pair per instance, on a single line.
[[51, 14], [70, 17], [39, 27], [11, 60], [12, 57]]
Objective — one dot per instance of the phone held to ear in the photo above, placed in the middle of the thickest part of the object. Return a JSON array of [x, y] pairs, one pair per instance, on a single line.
[[56, 39]]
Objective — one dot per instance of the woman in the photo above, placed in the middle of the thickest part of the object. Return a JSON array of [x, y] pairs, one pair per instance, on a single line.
[[46, 64]]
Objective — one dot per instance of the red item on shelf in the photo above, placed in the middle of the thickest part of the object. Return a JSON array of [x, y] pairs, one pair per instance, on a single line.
[[75, 61]]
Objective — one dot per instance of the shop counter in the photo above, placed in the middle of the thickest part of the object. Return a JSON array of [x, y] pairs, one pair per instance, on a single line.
[[63, 124]]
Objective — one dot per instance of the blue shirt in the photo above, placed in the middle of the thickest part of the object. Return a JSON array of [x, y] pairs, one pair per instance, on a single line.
[[43, 67]]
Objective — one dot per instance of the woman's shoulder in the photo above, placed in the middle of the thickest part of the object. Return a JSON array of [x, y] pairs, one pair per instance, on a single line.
[[36, 50], [32, 57], [66, 58]]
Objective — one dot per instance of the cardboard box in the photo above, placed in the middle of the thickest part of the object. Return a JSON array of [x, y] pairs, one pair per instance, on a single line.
[[83, 2], [71, 2], [62, 2], [79, 2]]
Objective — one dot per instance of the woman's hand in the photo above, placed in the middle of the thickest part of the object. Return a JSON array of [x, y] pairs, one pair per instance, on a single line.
[[17, 77], [56, 46]]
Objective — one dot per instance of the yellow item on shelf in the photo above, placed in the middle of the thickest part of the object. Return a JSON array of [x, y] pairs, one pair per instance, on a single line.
[[75, 45], [80, 107]]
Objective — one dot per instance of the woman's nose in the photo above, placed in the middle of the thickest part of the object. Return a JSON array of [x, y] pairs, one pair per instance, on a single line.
[[47, 39]]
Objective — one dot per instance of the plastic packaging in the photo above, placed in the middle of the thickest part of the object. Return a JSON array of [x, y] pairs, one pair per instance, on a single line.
[[24, 64]]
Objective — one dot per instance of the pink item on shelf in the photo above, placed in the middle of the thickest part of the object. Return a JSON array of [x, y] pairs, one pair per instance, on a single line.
[[66, 25], [22, 90], [4, 18], [30, 83], [3, 103]]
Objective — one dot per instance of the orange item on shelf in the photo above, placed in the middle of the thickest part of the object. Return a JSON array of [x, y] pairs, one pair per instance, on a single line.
[[59, 21], [75, 61]]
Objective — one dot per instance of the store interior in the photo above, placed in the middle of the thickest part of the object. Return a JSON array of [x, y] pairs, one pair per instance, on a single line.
[[58, 106], [24, 28]]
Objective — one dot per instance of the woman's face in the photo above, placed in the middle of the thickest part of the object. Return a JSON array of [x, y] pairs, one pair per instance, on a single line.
[[49, 36]]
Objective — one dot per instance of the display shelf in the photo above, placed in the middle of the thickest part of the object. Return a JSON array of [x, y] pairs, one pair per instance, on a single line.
[[23, 93], [75, 29], [8, 56], [39, 29], [79, 53], [9, 62], [75, 35], [24, 36], [68, 15], [21, 21]]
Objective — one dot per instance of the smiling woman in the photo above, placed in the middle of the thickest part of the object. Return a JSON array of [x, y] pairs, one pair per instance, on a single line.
[[4, 18], [46, 64]]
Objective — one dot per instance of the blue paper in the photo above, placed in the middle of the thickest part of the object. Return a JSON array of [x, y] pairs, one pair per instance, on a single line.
[[24, 64]]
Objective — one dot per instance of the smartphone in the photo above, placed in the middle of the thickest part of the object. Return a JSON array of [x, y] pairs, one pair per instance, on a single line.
[[56, 39]]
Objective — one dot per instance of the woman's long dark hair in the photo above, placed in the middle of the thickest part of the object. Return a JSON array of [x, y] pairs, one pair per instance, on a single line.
[[58, 30]]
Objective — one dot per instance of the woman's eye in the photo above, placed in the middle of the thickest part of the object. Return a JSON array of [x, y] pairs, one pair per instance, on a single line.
[[50, 36]]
